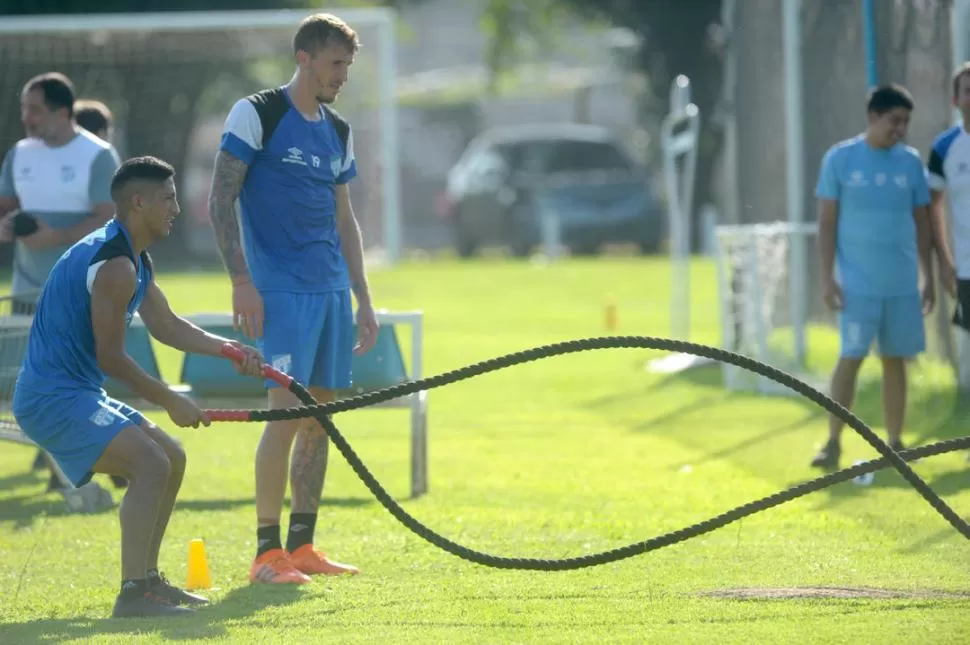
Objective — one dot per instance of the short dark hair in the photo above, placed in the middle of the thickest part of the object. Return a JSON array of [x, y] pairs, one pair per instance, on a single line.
[[57, 88], [145, 168], [319, 30], [960, 72], [884, 98], [92, 115]]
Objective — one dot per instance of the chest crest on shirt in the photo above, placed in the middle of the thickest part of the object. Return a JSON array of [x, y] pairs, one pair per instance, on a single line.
[[857, 179], [68, 173]]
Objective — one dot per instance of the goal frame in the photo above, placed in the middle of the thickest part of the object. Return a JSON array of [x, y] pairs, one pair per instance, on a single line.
[[383, 18], [796, 234]]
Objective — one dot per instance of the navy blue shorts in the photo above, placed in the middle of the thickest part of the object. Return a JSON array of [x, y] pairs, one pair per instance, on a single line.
[[73, 426], [309, 336], [896, 322]]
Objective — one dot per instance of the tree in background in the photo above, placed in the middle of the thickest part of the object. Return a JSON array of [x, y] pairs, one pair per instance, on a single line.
[[675, 38]]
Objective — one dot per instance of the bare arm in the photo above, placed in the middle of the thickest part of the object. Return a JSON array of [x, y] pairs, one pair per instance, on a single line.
[[173, 330], [940, 234], [227, 180], [112, 291], [924, 241], [352, 244], [8, 203], [100, 215], [828, 218]]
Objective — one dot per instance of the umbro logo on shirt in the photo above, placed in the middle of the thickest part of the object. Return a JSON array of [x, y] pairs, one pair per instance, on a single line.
[[295, 156]]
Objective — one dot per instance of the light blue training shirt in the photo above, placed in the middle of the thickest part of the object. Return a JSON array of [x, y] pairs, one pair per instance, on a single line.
[[877, 191]]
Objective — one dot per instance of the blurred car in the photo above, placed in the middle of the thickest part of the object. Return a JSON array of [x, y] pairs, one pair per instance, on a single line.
[[507, 178]]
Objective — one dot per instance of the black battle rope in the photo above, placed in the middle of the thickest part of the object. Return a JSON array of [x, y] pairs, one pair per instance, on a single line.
[[889, 458]]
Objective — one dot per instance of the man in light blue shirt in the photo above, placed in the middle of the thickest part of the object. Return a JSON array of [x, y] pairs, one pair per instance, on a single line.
[[874, 237]]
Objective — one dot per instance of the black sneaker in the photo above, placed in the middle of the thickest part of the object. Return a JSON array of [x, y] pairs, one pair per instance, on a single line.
[[162, 587], [828, 457], [147, 604]]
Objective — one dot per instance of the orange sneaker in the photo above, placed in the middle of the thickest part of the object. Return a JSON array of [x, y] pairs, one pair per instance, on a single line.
[[275, 567], [312, 562]]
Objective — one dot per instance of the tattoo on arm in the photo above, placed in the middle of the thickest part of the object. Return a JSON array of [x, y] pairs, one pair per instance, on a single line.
[[227, 180]]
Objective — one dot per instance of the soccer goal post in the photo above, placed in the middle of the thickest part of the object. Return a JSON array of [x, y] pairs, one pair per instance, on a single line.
[[761, 316], [171, 78]]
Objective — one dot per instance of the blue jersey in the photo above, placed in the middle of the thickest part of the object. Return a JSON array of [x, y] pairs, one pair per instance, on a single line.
[[877, 191], [288, 199], [61, 350]]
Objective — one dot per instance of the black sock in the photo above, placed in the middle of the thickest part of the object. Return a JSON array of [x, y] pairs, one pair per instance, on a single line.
[[267, 539], [302, 526], [133, 587]]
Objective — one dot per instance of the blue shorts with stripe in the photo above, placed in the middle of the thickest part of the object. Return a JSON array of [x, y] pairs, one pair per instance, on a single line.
[[309, 336], [73, 426]]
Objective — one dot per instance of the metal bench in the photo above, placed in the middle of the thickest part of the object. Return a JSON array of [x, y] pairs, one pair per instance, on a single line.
[[215, 381]]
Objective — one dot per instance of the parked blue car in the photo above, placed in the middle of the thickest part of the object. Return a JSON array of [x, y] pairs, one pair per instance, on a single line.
[[507, 178]]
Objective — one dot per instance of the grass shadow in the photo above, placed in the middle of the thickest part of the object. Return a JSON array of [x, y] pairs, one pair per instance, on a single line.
[[208, 622]]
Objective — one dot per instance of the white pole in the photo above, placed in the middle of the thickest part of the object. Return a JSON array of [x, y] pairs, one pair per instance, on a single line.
[[390, 161], [794, 165], [732, 202]]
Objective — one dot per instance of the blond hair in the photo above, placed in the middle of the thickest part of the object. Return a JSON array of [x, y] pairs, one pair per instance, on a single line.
[[319, 30]]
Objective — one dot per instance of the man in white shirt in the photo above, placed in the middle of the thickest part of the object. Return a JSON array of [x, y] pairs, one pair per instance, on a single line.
[[54, 184], [55, 188], [948, 169]]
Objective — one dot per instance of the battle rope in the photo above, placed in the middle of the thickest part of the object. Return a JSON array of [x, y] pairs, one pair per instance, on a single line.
[[322, 411]]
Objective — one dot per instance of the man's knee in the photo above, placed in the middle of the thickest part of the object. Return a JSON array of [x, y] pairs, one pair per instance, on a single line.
[[893, 363], [176, 458], [288, 428], [850, 364], [151, 465], [171, 447]]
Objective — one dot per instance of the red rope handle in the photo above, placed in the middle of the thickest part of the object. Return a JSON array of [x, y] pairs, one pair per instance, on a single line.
[[232, 352]]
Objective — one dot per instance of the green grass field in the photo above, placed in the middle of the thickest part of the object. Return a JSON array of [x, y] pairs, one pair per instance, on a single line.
[[558, 458]]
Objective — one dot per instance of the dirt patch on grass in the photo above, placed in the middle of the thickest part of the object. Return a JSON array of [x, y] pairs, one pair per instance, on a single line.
[[838, 593]]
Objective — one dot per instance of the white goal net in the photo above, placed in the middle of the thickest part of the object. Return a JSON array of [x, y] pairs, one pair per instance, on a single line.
[[171, 78], [764, 311]]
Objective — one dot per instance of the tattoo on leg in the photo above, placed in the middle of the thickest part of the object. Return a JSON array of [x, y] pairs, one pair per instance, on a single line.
[[308, 468]]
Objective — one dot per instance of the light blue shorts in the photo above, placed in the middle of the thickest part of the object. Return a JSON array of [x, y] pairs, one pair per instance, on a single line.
[[309, 336], [73, 426], [896, 322]]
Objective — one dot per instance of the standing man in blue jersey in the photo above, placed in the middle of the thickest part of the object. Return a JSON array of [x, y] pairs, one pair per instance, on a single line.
[[288, 157], [77, 337], [874, 225]]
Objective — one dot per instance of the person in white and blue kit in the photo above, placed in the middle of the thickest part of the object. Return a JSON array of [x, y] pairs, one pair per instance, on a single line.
[[948, 165], [874, 240]]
